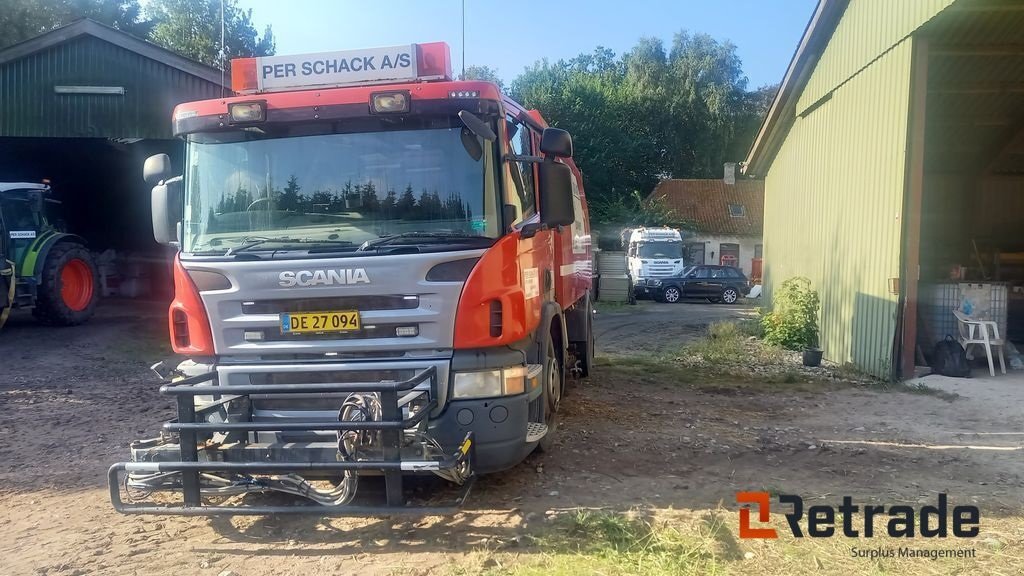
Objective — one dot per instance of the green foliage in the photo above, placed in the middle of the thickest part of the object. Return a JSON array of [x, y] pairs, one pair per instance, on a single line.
[[793, 321], [648, 115], [633, 210], [728, 344], [192, 28], [24, 19], [485, 73]]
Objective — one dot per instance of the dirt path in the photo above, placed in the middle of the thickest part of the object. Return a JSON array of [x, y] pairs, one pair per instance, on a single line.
[[73, 398], [652, 327]]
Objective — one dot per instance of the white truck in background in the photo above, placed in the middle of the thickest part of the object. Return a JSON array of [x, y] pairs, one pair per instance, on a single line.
[[652, 253]]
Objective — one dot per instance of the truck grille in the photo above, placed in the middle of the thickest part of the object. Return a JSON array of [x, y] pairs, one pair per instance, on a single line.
[[377, 330], [362, 303], [319, 406]]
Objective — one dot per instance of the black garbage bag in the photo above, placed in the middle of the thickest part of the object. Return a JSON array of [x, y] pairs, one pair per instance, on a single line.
[[950, 359]]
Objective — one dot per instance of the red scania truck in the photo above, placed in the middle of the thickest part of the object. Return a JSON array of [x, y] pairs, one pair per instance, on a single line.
[[380, 272]]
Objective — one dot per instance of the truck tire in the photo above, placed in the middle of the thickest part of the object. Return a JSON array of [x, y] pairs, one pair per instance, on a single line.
[[583, 350], [69, 287], [554, 385]]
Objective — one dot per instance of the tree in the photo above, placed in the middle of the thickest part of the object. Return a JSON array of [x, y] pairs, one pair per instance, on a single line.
[[24, 19], [406, 206], [192, 28], [485, 73], [651, 114], [290, 198], [368, 199], [389, 204]]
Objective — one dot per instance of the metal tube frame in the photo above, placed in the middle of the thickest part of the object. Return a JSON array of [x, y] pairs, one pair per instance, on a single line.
[[391, 465]]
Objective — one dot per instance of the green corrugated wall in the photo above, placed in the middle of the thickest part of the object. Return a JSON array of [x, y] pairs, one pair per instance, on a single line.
[[834, 192], [29, 106], [834, 196]]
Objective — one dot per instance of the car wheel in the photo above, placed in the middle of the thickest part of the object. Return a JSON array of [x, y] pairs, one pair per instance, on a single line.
[[671, 294], [730, 295]]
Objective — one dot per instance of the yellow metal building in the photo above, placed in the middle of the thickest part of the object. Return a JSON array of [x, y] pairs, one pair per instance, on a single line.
[[893, 118]]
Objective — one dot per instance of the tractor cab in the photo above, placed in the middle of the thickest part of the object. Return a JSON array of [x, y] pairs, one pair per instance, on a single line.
[[22, 213], [41, 266]]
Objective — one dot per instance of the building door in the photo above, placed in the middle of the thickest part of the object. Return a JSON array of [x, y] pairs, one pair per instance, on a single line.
[[693, 253], [729, 254]]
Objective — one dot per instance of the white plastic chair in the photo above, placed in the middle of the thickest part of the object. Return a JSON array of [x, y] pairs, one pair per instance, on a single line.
[[980, 333]]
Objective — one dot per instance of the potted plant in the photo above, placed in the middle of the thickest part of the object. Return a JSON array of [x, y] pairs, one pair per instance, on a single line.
[[793, 321], [812, 354]]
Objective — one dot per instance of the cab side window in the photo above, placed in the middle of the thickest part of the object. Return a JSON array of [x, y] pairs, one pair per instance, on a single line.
[[523, 190], [703, 273]]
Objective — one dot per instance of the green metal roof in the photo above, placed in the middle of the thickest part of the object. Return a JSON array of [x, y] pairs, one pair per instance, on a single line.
[[89, 80]]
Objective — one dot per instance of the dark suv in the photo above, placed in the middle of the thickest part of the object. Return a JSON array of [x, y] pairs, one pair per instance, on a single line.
[[716, 283]]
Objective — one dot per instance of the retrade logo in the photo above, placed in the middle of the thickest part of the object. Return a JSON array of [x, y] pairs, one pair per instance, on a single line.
[[305, 278], [854, 521], [763, 501]]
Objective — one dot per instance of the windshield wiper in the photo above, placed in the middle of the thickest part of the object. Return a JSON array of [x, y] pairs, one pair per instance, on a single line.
[[284, 240], [435, 237]]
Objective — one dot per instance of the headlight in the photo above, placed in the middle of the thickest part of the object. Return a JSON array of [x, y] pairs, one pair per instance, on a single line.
[[654, 282], [490, 383]]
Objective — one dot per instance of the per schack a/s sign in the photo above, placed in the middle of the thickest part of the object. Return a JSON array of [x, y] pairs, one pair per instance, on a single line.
[[336, 68]]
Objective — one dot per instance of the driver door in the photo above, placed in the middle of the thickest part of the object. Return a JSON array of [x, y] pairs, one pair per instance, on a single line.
[[697, 283]]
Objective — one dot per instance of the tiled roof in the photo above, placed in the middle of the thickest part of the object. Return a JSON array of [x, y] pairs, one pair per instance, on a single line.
[[706, 203]]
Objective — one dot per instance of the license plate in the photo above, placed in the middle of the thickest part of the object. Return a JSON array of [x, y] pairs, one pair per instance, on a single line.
[[317, 322]]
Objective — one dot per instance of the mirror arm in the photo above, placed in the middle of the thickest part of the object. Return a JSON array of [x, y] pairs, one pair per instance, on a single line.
[[523, 158], [530, 230]]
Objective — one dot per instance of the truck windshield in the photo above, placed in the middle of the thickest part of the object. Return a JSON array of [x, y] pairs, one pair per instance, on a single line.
[[254, 191], [669, 250]]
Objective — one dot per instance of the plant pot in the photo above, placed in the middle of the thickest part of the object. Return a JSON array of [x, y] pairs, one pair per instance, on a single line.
[[812, 357]]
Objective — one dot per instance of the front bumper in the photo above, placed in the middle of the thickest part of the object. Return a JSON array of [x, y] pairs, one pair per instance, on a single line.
[[232, 424], [205, 447]]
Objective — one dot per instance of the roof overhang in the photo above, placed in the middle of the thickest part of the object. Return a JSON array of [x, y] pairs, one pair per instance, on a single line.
[[782, 113], [116, 37]]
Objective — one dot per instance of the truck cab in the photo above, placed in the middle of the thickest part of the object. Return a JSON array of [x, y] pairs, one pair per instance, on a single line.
[[380, 271], [652, 254]]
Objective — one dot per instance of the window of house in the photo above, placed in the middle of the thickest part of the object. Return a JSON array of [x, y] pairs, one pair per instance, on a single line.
[[737, 210], [522, 192], [758, 249]]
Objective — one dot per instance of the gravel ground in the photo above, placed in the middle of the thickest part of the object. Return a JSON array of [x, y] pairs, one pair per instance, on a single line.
[[73, 398]]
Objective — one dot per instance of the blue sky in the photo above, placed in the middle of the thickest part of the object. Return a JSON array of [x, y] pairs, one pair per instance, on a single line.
[[511, 35]]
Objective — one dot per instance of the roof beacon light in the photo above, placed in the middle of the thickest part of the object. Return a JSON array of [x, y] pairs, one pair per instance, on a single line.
[[407, 63]]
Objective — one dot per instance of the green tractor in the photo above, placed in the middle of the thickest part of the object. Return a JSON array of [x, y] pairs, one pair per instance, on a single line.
[[42, 267]]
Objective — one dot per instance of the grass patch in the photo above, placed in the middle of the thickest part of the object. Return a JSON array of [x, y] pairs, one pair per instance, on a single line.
[[731, 344], [587, 542], [662, 543], [921, 389], [611, 306]]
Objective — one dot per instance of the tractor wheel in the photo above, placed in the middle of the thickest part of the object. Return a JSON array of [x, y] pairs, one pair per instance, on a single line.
[[70, 286]]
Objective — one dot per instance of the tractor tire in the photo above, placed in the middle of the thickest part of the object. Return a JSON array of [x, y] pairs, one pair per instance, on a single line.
[[69, 289]]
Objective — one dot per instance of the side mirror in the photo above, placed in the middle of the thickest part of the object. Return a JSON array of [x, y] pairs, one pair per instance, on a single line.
[[556, 142], [556, 207], [166, 208], [156, 169]]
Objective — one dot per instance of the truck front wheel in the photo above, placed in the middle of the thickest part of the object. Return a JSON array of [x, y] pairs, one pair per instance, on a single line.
[[69, 289], [553, 382]]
